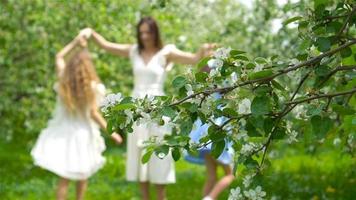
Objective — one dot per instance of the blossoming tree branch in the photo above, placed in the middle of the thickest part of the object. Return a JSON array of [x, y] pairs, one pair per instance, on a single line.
[[264, 100]]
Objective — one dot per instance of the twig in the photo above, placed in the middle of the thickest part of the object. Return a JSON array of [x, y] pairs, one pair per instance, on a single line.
[[300, 85], [347, 21], [321, 96], [340, 68]]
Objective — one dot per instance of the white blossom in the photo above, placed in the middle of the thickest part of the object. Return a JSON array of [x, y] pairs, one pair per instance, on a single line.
[[292, 137], [242, 135], [222, 53], [235, 194], [215, 63], [299, 111], [189, 89], [258, 68], [247, 180], [244, 107], [214, 72], [145, 118], [166, 119], [110, 100], [182, 38], [247, 148], [337, 141], [161, 155], [234, 77], [256, 194], [350, 140], [129, 116]]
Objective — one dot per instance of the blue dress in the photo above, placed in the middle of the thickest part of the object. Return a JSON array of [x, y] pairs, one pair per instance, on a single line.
[[200, 130]]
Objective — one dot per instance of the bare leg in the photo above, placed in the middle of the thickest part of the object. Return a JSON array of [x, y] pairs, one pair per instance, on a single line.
[[145, 190], [161, 192], [223, 182], [81, 188], [211, 166], [62, 189]]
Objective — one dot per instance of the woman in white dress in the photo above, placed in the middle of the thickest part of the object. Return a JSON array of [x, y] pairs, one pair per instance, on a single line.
[[150, 61], [71, 146]]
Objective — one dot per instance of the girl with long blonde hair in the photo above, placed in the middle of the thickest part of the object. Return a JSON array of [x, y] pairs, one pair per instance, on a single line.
[[71, 146]]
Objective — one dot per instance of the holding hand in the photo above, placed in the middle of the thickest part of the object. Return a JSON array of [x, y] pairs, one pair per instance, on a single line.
[[116, 137], [207, 49], [86, 33]]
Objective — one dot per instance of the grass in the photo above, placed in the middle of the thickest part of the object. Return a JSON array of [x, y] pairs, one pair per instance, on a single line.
[[329, 175]]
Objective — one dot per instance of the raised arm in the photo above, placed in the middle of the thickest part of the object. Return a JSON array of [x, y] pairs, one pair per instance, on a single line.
[[181, 57], [114, 48], [78, 41]]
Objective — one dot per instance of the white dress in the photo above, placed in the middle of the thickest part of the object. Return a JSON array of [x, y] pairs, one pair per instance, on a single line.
[[148, 80], [71, 146]]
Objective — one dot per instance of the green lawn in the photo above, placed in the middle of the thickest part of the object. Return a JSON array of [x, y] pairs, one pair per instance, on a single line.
[[325, 176]]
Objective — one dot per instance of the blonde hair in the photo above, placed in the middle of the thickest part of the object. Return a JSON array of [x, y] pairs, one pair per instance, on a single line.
[[75, 87]]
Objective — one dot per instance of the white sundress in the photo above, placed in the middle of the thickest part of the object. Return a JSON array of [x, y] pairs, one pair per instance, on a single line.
[[149, 80], [71, 146]]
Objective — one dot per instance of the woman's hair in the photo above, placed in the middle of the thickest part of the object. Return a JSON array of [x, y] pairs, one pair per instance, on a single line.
[[153, 29], [75, 87]]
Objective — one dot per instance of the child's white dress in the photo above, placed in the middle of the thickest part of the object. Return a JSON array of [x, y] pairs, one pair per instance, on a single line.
[[71, 146], [149, 80]]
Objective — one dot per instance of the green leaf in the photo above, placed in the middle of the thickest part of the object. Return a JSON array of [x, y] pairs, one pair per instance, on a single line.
[[251, 127], [268, 125], [162, 149], [277, 85], [322, 70], [321, 125], [323, 44], [179, 82], [236, 52], [146, 157], [203, 62], [347, 52], [201, 77], [250, 65], [260, 74], [217, 148], [250, 163], [176, 154], [186, 127], [263, 90], [290, 20], [260, 105], [109, 127], [229, 112], [244, 58], [124, 106], [261, 60], [279, 133], [302, 57], [342, 110], [169, 112]]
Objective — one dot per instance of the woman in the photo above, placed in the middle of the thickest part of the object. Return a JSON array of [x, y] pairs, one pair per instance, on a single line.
[[150, 61]]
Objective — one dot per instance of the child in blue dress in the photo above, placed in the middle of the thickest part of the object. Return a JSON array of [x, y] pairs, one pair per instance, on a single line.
[[212, 187]]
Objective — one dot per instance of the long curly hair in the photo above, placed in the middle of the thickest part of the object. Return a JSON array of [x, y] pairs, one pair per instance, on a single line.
[[75, 87]]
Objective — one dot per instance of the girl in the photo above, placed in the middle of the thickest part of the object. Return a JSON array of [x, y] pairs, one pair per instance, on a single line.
[[150, 62], [71, 146], [212, 187]]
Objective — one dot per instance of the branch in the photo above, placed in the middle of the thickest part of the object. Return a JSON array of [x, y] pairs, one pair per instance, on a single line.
[[309, 62], [347, 21], [321, 96], [300, 85], [340, 68]]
